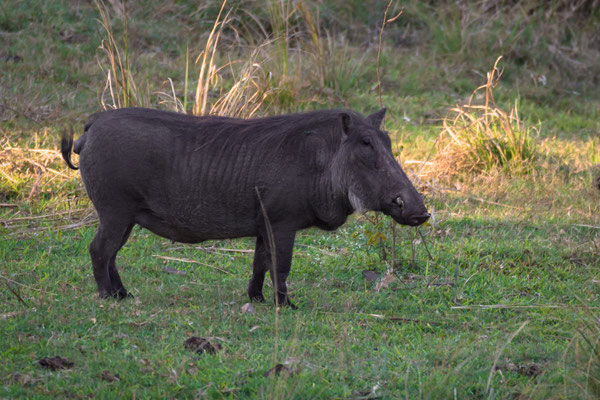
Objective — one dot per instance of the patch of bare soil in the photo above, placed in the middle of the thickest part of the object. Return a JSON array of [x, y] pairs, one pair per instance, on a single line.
[[56, 363], [201, 345], [532, 370]]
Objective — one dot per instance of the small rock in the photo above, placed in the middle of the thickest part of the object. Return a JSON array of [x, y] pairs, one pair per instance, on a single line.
[[248, 309], [108, 376], [370, 276], [276, 370], [174, 271]]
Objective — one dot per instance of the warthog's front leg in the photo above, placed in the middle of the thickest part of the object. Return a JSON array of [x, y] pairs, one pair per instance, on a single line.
[[259, 268], [284, 246]]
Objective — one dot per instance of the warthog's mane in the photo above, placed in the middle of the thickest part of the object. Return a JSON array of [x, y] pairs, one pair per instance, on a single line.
[[271, 134]]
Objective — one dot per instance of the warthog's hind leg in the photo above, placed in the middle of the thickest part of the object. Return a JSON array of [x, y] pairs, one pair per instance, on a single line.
[[117, 286], [111, 236]]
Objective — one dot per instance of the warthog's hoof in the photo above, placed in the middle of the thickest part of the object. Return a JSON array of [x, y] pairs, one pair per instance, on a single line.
[[123, 294], [285, 302], [257, 297], [115, 294]]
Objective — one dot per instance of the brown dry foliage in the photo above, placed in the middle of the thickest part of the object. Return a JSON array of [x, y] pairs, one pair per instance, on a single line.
[[480, 137]]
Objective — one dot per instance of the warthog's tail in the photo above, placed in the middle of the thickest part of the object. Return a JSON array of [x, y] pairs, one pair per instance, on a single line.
[[66, 146]]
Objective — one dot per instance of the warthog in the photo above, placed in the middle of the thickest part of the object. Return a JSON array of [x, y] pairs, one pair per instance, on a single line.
[[191, 179]]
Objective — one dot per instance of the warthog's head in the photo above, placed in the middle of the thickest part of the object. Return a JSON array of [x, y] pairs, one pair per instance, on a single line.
[[371, 175]]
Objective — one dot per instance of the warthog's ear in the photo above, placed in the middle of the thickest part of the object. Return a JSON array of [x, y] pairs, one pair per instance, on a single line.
[[377, 118], [346, 122]]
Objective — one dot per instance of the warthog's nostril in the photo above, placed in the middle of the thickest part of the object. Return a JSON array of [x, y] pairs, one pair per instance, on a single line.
[[419, 219], [399, 202]]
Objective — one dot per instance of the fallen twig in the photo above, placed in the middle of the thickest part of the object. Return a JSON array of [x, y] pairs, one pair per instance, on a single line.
[[17, 295], [417, 321], [29, 218], [186, 260], [439, 284], [479, 199], [215, 249], [587, 226], [401, 319], [35, 150], [520, 306], [84, 222], [425, 243], [493, 202], [25, 286], [89, 219]]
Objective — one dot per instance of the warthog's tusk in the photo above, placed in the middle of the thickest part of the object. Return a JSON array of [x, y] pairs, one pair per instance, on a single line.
[[399, 201]]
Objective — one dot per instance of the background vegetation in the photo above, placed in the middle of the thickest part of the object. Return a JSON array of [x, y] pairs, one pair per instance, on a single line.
[[496, 298]]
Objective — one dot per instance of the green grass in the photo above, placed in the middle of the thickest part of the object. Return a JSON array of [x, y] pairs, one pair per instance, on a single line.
[[510, 255], [345, 338]]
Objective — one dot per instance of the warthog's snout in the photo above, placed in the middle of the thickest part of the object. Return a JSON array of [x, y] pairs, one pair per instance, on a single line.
[[408, 216], [418, 219]]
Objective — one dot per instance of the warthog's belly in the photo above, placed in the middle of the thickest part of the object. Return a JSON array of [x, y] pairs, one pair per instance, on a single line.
[[191, 230]]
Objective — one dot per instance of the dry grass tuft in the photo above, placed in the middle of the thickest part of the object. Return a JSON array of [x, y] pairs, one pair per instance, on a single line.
[[480, 137], [214, 95], [208, 75], [35, 175], [37, 191], [119, 85], [250, 87], [26, 172]]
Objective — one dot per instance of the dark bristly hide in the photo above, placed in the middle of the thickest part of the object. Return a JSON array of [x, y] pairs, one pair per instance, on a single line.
[[191, 179]]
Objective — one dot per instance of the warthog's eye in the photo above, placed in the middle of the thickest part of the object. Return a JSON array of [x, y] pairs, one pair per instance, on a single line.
[[366, 140]]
